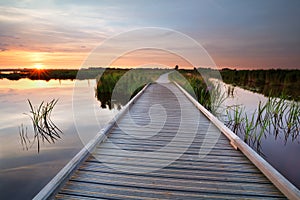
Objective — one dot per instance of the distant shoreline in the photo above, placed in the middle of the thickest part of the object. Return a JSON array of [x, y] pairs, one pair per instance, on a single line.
[[271, 82]]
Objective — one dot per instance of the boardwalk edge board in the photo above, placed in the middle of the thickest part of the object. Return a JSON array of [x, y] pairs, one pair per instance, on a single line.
[[286, 187], [51, 188]]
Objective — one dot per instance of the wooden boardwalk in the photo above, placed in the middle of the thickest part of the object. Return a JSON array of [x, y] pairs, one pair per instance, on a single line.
[[180, 169]]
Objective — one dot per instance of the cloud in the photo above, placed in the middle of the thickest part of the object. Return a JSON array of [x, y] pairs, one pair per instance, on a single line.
[[53, 30], [231, 31]]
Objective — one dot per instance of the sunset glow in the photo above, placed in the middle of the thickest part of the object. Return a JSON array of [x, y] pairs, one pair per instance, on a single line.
[[38, 66], [62, 34]]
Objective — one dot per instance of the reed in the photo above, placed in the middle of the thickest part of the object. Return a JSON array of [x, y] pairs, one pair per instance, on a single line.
[[43, 127], [277, 115], [217, 97], [292, 117], [207, 93], [249, 127], [234, 118]]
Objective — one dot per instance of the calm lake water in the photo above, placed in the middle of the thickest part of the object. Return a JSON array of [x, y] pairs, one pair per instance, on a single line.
[[23, 173]]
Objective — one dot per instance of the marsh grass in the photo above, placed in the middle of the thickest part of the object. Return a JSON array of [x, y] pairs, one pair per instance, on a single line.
[[116, 86], [217, 98], [43, 127], [207, 93], [234, 117], [277, 116]]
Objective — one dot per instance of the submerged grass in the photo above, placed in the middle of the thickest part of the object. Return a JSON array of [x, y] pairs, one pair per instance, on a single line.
[[43, 126]]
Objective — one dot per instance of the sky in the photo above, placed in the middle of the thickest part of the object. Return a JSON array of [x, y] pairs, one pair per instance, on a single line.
[[257, 34]]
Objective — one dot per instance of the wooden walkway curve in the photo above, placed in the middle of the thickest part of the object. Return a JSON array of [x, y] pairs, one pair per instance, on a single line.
[[224, 173]]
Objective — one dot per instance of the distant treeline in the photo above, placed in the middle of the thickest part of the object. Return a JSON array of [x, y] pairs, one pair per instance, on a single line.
[[48, 74], [274, 82], [62, 74]]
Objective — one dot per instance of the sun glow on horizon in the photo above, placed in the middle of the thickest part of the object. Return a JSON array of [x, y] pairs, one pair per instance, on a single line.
[[38, 66]]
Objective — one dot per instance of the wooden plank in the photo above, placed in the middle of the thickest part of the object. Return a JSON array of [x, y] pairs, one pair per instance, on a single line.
[[182, 160], [194, 146], [173, 150], [172, 183], [228, 171], [224, 176], [123, 191]]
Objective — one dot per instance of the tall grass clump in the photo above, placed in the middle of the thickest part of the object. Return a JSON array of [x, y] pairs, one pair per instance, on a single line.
[[122, 84], [207, 93], [43, 127], [235, 118]]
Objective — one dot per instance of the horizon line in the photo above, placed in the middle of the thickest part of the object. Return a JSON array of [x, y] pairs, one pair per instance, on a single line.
[[132, 67]]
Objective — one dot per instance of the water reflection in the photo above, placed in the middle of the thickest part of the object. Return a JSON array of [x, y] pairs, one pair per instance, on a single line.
[[230, 91], [25, 141], [24, 171], [106, 101], [115, 100], [23, 84]]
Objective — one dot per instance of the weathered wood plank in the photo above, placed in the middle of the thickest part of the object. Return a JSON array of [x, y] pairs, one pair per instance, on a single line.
[[176, 184], [223, 176], [127, 192]]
